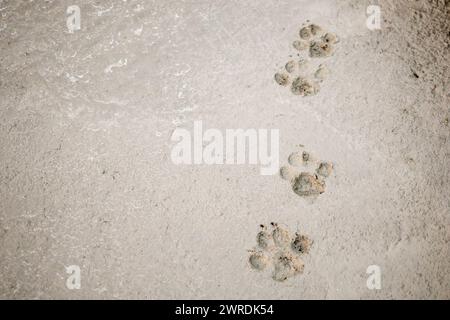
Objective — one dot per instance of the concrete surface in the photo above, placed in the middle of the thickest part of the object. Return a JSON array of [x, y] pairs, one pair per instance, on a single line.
[[86, 177]]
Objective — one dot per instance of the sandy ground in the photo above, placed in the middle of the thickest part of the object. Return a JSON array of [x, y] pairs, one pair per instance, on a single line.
[[86, 176]]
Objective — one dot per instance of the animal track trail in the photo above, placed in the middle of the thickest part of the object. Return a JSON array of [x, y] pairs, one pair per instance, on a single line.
[[277, 249], [302, 76], [306, 174]]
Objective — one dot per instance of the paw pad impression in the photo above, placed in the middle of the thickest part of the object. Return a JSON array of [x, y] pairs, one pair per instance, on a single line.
[[304, 79]]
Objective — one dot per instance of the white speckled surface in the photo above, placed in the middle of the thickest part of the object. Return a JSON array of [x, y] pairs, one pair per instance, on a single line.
[[86, 176]]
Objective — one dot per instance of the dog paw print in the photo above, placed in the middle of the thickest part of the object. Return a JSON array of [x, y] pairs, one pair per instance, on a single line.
[[303, 75], [309, 182], [277, 249]]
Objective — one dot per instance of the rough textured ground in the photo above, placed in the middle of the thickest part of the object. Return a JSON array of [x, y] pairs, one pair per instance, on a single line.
[[86, 177]]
